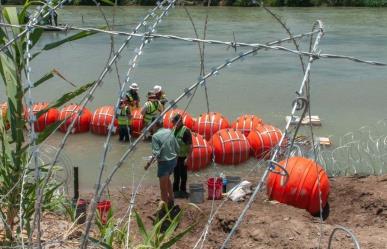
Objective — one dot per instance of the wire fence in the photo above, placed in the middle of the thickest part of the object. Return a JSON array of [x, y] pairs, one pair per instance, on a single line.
[[360, 152]]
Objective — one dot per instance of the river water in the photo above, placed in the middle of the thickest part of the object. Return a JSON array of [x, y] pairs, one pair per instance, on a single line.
[[346, 95]]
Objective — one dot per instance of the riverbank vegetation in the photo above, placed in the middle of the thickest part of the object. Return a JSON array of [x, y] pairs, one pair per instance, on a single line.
[[242, 3]]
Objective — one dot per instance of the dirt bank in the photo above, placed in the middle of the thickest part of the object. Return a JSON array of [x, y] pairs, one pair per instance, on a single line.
[[358, 203]]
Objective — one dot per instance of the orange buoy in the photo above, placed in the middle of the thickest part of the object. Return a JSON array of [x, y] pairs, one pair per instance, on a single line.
[[3, 114], [187, 118], [246, 123], [263, 139], [101, 119], [301, 188], [137, 123], [230, 147], [201, 154], [207, 124], [82, 121], [46, 119]]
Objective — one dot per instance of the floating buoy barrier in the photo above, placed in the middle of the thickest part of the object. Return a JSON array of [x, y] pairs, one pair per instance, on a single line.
[[82, 121], [301, 188], [137, 123], [46, 119], [201, 154], [101, 119], [246, 123], [207, 124], [230, 147], [3, 114], [187, 118], [263, 139]]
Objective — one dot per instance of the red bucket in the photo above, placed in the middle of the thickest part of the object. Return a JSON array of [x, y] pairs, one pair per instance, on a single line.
[[103, 210], [215, 188]]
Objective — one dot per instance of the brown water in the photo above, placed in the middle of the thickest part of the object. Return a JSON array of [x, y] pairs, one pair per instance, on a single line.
[[345, 94]]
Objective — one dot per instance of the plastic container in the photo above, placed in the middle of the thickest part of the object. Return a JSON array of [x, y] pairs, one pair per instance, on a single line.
[[103, 210], [232, 181], [196, 191], [214, 188], [80, 210]]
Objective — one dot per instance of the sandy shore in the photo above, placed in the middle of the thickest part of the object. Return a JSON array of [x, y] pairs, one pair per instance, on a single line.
[[358, 203]]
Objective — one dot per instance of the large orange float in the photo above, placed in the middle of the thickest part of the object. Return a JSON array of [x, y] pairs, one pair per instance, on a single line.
[[201, 154], [207, 124], [137, 124], [46, 119], [101, 119], [246, 123], [82, 122], [187, 118], [263, 139], [230, 147], [302, 187]]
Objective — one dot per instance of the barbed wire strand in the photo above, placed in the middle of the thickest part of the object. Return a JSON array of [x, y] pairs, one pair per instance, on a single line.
[[317, 55], [347, 231], [132, 64], [274, 156]]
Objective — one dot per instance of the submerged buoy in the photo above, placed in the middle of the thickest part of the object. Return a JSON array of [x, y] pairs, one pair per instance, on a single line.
[[230, 147], [301, 188], [101, 119], [263, 139], [246, 123], [137, 123], [207, 124], [48, 118], [3, 114], [201, 154], [187, 118], [82, 121]]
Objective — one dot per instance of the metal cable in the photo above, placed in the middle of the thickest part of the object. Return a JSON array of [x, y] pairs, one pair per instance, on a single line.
[[347, 231]]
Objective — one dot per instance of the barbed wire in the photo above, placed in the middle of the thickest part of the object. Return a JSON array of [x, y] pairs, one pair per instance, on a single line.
[[132, 64], [278, 147], [313, 55], [234, 44]]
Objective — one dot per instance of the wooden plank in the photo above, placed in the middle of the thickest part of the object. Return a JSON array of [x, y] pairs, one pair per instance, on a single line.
[[324, 141], [314, 120]]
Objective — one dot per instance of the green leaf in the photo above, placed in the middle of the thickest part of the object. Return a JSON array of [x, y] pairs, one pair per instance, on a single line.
[[35, 36], [14, 94], [75, 37], [45, 77], [104, 245], [67, 97], [141, 226], [47, 132], [107, 2], [178, 237]]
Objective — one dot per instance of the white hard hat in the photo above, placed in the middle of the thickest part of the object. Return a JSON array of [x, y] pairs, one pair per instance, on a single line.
[[157, 88], [134, 86]]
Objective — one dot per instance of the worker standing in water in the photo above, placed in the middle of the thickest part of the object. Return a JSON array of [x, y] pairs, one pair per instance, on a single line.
[[184, 139], [124, 117], [151, 110], [132, 96], [160, 94]]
